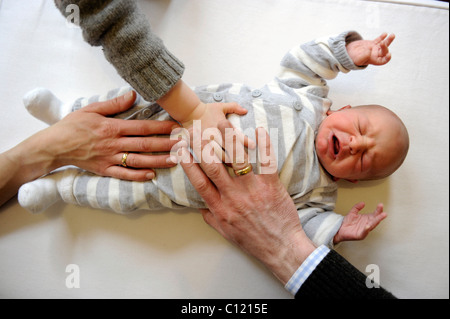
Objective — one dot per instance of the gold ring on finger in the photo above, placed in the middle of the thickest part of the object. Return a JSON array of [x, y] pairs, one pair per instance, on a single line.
[[244, 171], [124, 159]]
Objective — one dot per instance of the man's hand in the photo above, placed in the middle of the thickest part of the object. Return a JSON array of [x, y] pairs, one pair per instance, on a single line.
[[357, 226], [255, 212], [375, 52]]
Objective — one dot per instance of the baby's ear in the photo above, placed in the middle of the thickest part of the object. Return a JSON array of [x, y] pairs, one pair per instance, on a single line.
[[329, 112]]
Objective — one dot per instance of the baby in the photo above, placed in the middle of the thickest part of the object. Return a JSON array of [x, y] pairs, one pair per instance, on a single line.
[[315, 146]]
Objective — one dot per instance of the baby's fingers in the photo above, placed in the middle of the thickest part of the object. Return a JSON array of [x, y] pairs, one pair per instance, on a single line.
[[384, 45], [382, 60], [229, 108], [234, 144], [379, 209], [379, 39], [357, 208], [234, 108], [377, 216], [389, 40], [230, 132], [380, 55]]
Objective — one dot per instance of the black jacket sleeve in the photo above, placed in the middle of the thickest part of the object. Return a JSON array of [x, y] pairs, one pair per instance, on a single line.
[[336, 278]]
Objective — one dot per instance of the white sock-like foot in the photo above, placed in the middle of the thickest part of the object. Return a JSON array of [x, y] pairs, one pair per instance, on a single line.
[[45, 106], [38, 195]]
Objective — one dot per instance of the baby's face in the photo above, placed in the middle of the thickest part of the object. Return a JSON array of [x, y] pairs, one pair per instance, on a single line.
[[360, 143]]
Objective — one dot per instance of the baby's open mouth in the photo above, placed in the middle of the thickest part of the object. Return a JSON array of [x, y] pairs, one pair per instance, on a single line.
[[336, 146]]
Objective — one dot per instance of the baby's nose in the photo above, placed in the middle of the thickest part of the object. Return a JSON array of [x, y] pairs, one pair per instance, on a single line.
[[355, 145]]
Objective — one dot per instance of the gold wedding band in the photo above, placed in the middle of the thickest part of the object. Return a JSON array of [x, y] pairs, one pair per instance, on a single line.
[[244, 171], [124, 159]]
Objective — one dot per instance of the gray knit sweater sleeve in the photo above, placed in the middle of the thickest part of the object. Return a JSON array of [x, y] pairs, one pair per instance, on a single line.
[[129, 44]]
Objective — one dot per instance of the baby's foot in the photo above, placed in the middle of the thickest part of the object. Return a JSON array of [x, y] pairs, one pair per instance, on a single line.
[[45, 106], [38, 195]]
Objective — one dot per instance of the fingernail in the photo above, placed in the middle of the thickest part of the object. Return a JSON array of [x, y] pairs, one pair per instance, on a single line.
[[129, 95], [172, 160], [150, 175], [176, 130]]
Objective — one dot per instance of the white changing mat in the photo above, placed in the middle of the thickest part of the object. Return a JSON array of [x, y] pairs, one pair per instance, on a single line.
[[175, 254]]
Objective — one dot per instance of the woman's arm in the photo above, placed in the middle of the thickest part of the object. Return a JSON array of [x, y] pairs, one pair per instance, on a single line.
[[23, 163]]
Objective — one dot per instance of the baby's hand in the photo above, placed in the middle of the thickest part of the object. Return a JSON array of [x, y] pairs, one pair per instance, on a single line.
[[211, 114], [203, 123], [357, 226], [376, 52]]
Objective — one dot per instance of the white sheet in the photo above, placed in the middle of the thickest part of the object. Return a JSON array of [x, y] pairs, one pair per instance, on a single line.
[[175, 254]]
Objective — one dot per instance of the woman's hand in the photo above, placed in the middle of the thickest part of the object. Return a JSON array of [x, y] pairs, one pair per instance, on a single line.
[[91, 140]]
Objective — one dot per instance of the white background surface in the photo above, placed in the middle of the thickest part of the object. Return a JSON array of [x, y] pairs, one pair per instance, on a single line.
[[175, 254]]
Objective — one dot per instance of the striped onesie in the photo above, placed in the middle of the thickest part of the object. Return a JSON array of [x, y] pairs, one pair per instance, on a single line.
[[290, 107]]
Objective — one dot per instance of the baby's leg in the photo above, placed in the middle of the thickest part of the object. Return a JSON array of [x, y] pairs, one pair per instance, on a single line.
[[169, 189], [79, 187], [38, 195]]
